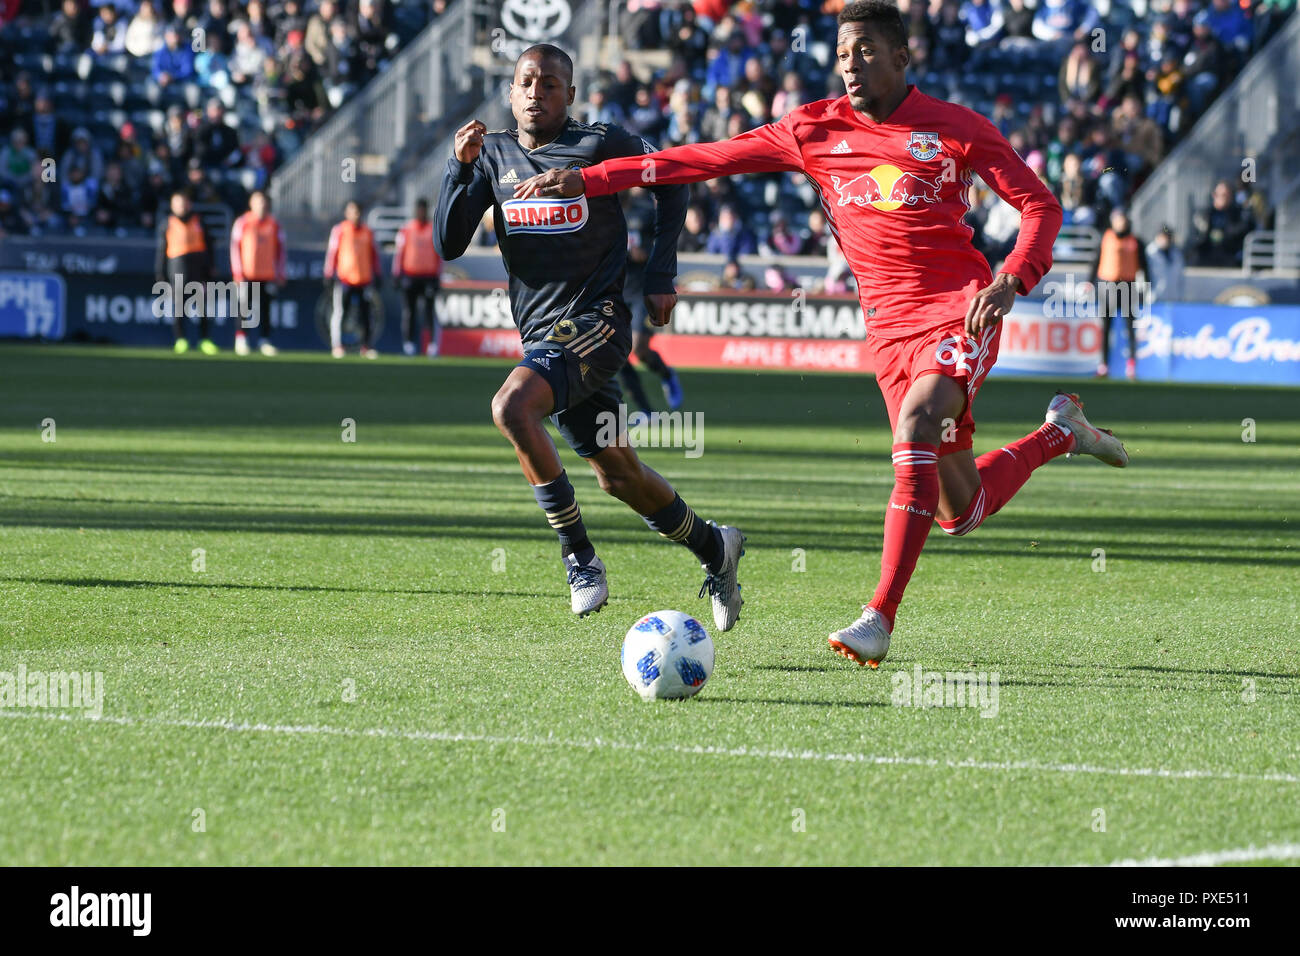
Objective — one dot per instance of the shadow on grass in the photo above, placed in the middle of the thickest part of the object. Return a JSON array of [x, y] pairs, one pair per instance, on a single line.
[[1135, 670], [291, 588], [792, 703], [1091, 687], [131, 389], [1193, 671], [624, 529]]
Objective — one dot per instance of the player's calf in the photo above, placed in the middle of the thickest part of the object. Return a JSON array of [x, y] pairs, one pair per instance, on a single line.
[[622, 474]]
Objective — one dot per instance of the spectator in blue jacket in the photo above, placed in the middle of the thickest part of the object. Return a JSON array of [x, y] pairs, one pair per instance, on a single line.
[[1229, 24], [730, 238], [728, 67], [1058, 21], [983, 21], [173, 62]]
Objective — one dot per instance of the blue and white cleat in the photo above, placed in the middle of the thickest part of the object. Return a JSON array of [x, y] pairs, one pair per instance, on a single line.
[[589, 587], [723, 587], [673, 391], [865, 641], [1066, 411]]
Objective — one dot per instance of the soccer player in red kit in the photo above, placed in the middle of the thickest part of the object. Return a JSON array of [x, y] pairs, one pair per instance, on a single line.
[[893, 168]]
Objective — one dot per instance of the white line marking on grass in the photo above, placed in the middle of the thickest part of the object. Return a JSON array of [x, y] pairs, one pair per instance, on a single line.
[[1274, 851], [598, 743]]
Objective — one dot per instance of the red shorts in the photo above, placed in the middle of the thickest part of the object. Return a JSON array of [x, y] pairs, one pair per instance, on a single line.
[[943, 351]]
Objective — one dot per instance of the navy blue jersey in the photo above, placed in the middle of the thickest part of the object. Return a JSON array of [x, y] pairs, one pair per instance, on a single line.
[[565, 257]]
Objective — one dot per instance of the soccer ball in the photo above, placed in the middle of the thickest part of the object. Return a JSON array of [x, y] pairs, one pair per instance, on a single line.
[[667, 654]]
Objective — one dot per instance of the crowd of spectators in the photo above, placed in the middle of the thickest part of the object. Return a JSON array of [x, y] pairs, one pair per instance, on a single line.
[[1092, 95], [106, 106], [1091, 101]]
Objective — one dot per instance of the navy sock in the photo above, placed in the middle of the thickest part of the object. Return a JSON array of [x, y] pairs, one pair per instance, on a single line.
[[679, 523], [632, 382], [557, 501]]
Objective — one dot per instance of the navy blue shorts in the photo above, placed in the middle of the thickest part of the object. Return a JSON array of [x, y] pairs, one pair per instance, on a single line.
[[580, 359]]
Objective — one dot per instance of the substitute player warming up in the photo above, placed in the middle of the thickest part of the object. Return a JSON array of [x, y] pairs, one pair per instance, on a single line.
[[566, 260], [893, 167]]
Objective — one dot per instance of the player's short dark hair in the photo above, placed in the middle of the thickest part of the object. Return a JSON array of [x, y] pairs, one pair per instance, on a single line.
[[549, 51], [422, 203], [879, 13]]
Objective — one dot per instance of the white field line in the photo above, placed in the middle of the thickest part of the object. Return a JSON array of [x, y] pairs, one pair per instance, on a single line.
[[1274, 851], [599, 743]]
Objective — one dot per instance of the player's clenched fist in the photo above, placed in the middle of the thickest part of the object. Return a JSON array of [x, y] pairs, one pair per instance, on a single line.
[[659, 306], [991, 305], [552, 184], [469, 141]]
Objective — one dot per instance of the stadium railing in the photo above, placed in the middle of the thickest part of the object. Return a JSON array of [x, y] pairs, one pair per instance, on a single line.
[[430, 78], [1267, 251], [1245, 135], [1075, 244], [419, 175], [386, 221], [216, 220]]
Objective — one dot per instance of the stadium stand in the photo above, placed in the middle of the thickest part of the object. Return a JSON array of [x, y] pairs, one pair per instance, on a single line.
[[1092, 95], [133, 98]]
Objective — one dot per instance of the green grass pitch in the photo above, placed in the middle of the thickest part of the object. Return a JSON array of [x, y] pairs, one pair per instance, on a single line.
[[317, 651]]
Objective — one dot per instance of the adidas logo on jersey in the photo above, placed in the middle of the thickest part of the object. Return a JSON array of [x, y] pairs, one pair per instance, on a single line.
[[510, 177], [840, 148]]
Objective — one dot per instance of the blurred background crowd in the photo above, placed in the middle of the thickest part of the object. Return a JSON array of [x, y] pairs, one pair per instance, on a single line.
[[133, 98], [1092, 96]]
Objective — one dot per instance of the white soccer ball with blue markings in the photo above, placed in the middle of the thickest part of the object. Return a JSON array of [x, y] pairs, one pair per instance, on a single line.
[[667, 655]]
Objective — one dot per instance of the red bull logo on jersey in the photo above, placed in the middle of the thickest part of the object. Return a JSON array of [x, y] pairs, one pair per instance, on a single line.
[[544, 215], [886, 188]]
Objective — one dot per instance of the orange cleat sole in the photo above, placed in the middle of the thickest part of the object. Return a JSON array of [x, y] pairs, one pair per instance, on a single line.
[[845, 651]]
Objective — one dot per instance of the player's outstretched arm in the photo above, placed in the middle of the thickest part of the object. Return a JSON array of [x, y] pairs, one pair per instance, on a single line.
[[997, 163], [465, 195], [768, 149], [661, 266], [671, 200]]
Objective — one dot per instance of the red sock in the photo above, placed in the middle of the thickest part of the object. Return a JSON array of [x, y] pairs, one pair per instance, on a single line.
[[907, 521], [1004, 472]]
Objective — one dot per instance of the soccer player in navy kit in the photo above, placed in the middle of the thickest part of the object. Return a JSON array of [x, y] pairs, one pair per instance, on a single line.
[[566, 260]]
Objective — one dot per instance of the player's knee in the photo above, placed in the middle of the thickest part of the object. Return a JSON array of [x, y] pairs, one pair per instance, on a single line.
[[509, 413], [919, 425]]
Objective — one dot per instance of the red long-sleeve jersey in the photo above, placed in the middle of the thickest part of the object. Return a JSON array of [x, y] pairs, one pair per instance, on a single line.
[[895, 194]]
